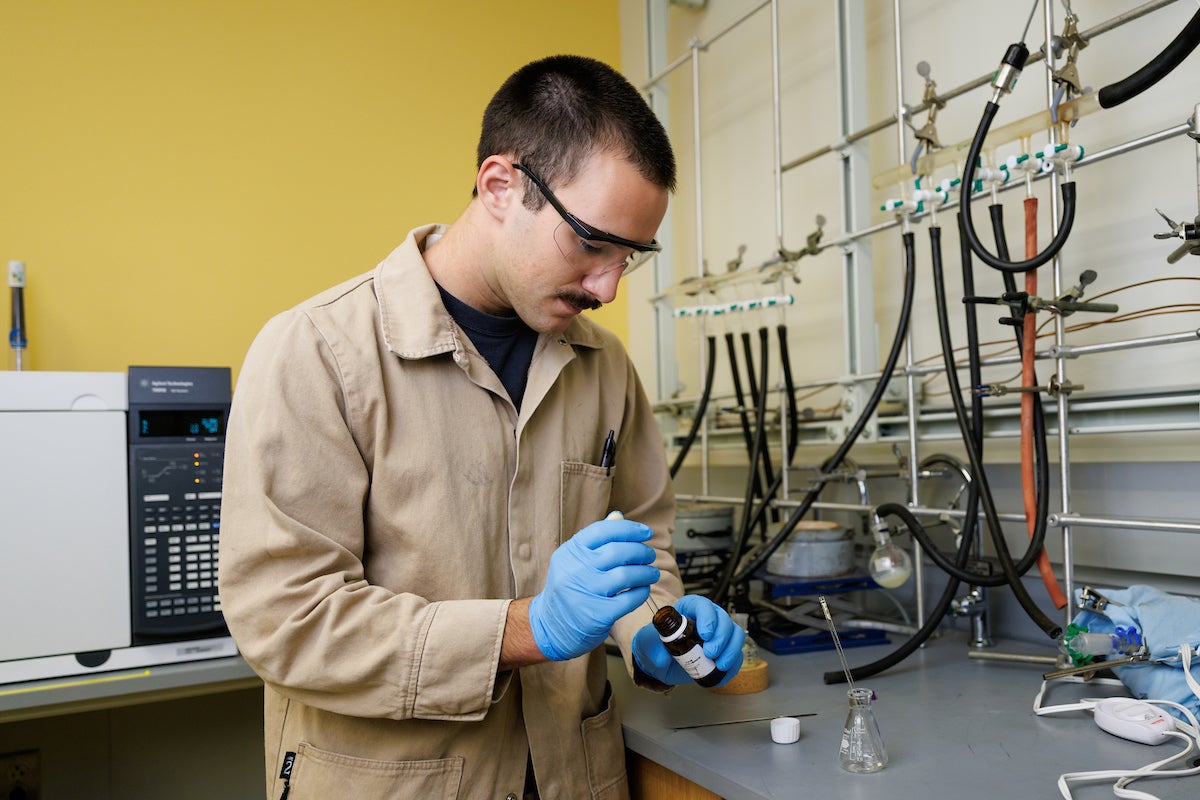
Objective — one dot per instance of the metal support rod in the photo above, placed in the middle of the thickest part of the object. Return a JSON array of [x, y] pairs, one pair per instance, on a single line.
[[1087, 160], [777, 120], [982, 80], [1055, 351], [1019, 658], [696, 163], [914, 492], [1092, 158], [778, 123], [1060, 333], [691, 54], [1194, 132], [1065, 520], [897, 48], [1054, 520], [1073, 351], [853, 507], [699, 200]]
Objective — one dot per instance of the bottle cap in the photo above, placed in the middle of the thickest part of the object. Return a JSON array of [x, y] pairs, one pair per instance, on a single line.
[[785, 730]]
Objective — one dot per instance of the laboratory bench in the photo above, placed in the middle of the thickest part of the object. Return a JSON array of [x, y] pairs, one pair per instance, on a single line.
[[106, 690], [953, 726], [185, 731]]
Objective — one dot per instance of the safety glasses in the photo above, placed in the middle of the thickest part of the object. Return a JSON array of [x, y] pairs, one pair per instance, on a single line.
[[587, 249]]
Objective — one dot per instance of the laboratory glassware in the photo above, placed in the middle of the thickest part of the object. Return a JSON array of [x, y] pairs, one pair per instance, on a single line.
[[862, 747]]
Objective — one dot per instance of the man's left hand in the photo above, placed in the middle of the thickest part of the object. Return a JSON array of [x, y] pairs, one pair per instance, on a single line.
[[722, 638]]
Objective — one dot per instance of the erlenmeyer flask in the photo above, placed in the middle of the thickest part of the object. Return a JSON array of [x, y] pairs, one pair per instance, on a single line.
[[862, 746]]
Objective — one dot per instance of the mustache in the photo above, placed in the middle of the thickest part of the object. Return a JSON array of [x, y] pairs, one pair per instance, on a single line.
[[584, 302]]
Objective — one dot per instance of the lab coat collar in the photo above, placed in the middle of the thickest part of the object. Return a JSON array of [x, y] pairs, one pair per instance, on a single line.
[[414, 321]]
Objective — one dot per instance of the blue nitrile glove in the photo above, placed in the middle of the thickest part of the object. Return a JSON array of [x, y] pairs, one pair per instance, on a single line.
[[596, 577], [723, 639]]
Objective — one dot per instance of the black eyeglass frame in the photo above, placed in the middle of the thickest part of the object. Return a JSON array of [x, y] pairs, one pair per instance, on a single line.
[[582, 230]]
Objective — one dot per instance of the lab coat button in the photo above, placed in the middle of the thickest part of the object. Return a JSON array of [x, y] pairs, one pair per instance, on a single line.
[[523, 550], [510, 796]]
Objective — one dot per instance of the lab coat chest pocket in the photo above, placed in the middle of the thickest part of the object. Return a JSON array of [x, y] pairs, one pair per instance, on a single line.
[[583, 498], [321, 775]]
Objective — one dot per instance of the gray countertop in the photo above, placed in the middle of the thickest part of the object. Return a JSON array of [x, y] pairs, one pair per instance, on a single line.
[[95, 691], [953, 727]]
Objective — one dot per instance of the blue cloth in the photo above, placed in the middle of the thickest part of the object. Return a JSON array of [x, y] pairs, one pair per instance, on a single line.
[[1166, 623]]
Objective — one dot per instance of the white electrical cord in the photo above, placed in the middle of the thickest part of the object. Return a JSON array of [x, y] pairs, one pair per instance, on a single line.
[[1086, 704], [1152, 770], [1190, 735]]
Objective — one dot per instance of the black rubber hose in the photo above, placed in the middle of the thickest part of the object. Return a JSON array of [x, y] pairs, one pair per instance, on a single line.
[[966, 540], [744, 418], [793, 426], [1049, 626], [1171, 57], [996, 212], [964, 208], [789, 387], [701, 407], [1019, 568], [753, 385], [760, 428], [736, 374], [974, 430], [731, 574], [971, 519], [931, 622], [975, 368]]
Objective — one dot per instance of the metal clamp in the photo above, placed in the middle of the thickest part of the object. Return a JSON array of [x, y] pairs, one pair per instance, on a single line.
[[1053, 388], [1091, 600], [1067, 76], [812, 245], [1088, 671], [926, 135], [1188, 231]]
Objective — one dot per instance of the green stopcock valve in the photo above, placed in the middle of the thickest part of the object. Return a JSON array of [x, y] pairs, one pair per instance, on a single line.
[[1077, 659]]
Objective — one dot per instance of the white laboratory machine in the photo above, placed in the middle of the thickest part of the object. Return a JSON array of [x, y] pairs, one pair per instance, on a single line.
[[66, 544]]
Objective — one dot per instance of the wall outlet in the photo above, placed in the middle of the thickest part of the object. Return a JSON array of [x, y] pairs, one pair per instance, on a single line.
[[21, 775]]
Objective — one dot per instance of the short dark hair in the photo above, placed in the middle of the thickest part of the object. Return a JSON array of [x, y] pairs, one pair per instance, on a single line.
[[552, 114]]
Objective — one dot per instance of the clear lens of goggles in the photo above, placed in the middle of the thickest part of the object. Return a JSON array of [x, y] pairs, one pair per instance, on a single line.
[[596, 257]]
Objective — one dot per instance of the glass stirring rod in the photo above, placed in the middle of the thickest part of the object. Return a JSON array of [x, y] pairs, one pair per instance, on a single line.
[[836, 642]]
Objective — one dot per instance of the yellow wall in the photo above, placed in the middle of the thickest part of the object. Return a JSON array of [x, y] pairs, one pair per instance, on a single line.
[[174, 172]]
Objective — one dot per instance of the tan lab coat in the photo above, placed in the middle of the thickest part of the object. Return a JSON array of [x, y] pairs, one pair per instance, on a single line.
[[384, 502]]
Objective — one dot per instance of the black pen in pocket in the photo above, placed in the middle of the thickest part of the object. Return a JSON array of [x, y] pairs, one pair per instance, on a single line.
[[608, 452]]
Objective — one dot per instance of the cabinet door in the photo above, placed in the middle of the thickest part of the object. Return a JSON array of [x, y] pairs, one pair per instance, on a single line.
[[64, 533]]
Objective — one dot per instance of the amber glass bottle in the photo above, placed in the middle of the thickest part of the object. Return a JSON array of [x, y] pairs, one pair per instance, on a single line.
[[679, 637]]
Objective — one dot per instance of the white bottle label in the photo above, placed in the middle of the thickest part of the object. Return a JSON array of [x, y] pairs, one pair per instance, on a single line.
[[695, 663]]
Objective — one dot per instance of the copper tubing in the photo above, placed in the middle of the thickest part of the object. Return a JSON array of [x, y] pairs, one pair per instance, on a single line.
[[1029, 378]]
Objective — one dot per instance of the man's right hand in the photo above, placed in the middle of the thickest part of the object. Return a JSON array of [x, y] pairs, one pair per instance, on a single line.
[[596, 577]]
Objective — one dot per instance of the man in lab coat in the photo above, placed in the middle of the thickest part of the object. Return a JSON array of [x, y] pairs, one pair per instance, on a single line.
[[418, 553]]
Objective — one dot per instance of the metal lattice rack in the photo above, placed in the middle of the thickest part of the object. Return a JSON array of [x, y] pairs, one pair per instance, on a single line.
[[1133, 410]]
